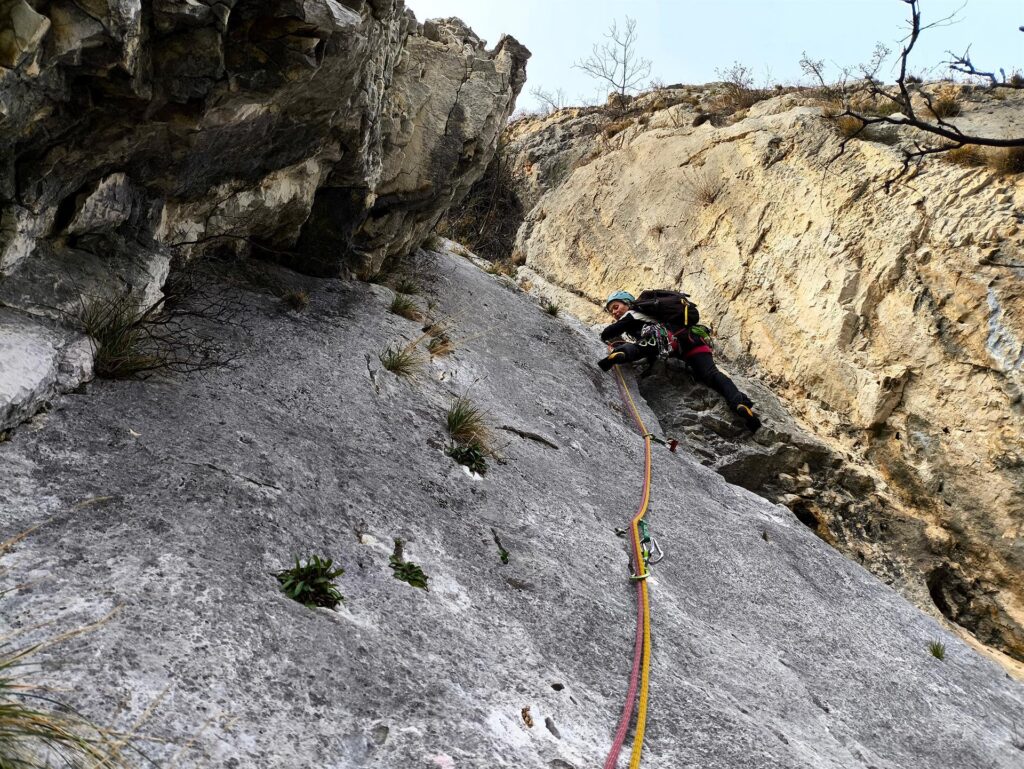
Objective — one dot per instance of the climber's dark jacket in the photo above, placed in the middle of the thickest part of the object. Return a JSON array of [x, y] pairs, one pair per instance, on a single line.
[[631, 326]]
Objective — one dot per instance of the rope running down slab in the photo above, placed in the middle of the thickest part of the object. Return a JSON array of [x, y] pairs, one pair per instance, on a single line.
[[642, 648]]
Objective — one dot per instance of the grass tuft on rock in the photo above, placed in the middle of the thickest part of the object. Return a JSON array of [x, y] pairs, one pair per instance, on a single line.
[[405, 306], [407, 286], [38, 732], [311, 583], [401, 361], [118, 330], [552, 309], [466, 423], [937, 649]]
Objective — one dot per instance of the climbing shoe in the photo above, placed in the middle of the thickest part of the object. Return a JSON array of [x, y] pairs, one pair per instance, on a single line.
[[605, 364], [749, 419]]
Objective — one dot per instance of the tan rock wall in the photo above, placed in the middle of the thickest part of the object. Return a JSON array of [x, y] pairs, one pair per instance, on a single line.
[[886, 319]]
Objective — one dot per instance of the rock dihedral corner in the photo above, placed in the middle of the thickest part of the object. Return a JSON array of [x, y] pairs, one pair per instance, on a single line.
[[329, 135]]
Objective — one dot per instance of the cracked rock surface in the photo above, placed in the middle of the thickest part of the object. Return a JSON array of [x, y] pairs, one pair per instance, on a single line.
[[175, 500]]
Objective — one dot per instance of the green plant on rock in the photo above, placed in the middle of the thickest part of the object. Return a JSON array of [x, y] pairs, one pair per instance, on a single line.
[[937, 649], [552, 309], [471, 454], [311, 583], [404, 570], [465, 422], [503, 554]]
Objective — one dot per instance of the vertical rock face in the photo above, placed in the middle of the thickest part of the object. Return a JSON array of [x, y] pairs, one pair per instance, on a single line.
[[892, 322], [328, 135]]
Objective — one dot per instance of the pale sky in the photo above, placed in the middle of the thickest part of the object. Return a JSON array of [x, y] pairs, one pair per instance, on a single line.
[[686, 40]]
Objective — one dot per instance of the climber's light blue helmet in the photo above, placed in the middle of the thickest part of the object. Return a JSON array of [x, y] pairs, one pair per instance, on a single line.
[[619, 296]]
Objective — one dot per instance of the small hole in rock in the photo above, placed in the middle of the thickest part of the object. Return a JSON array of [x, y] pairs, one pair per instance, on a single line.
[[558, 687]]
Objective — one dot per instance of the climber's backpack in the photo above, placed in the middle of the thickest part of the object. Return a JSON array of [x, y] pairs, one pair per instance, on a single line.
[[670, 308]]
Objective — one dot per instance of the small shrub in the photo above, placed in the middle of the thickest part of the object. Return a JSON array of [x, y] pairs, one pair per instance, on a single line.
[[1008, 160], [740, 93], [849, 126], [130, 342], [407, 286], [968, 155], [311, 583], [701, 188], [914, 80], [401, 361], [552, 309], [465, 422], [433, 243], [471, 454], [296, 299], [937, 649], [1016, 80], [404, 570], [404, 306]]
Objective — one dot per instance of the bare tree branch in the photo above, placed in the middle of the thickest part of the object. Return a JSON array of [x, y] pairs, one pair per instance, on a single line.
[[871, 88], [615, 61]]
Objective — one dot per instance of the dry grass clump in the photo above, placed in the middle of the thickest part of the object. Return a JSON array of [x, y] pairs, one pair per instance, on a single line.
[[702, 189], [36, 732], [1009, 160], [440, 345], [295, 299], [946, 102], [967, 155], [500, 267], [617, 127], [849, 126]]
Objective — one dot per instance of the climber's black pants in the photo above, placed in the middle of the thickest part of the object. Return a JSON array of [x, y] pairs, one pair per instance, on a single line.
[[704, 368]]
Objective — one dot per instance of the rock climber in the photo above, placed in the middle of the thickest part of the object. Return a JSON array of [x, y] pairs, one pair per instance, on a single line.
[[670, 330]]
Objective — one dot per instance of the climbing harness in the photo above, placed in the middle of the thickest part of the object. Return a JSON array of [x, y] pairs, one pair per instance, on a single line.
[[645, 551]]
